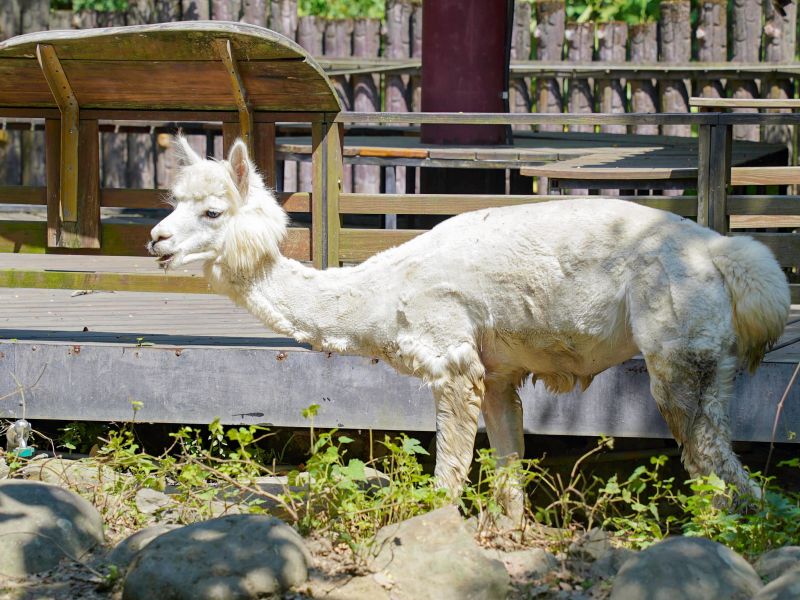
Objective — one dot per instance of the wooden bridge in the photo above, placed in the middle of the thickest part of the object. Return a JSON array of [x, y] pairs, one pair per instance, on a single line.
[[188, 356]]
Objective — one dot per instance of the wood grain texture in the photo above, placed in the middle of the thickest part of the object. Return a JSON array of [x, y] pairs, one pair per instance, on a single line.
[[745, 38], [580, 49], [356, 245]]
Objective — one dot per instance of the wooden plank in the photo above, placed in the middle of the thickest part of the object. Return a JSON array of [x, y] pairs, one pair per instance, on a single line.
[[785, 246], [744, 103], [765, 175], [703, 174], [319, 183], [453, 204], [52, 147], [154, 199], [356, 245], [763, 205], [87, 227], [264, 152], [121, 239], [21, 194], [763, 221], [719, 174], [379, 118], [392, 152], [67, 103], [120, 282], [568, 170]]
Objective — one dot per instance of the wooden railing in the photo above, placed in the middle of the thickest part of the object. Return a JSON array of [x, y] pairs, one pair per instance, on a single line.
[[328, 243]]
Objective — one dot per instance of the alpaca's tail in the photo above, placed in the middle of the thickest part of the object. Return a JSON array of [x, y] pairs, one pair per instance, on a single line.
[[759, 293]]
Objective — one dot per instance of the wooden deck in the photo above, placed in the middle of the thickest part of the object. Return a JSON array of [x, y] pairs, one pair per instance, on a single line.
[[192, 358]]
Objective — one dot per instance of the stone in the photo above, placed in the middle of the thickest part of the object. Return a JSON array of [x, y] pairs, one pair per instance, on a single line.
[[149, 501], [785, 587], [235, 557], [41, 524], [592, 545], [528, 564], [366, 587], [609, 564], [83, 476], [435, 556], [775, 563], [124, 552], [688, 568]]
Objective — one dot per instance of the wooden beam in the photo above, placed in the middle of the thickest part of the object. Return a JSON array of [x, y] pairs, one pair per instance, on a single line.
[[724, 103], [765, 175], [68, 105], [327, 166], [103, 281], [225, 52]]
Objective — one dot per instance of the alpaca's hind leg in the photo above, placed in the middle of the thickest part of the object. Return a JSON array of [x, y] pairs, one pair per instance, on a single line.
[[692, 389], [502, 413], [458, 403]]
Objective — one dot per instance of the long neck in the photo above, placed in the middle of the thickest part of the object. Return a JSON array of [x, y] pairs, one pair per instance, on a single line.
[[321, 308]]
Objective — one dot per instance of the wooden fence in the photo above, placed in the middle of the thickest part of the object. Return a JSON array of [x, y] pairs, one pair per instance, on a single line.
[[557, 66]]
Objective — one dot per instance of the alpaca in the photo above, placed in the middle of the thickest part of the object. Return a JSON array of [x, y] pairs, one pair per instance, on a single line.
[[558, 290]]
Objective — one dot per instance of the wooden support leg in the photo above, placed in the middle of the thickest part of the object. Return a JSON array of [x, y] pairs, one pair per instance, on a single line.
[[327, 169]]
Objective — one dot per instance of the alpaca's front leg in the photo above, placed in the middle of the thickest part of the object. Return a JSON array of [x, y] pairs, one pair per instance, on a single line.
[[458, 404]]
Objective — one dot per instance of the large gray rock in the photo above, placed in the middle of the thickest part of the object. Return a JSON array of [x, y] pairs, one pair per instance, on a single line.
[[687, 568], [236, 557], [524, 565], [785, 587], [123, 553], [83, 476], [775, 563], [41, 524], [435, 556]]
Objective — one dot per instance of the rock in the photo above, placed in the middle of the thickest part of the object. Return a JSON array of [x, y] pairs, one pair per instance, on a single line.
[[124, 552], [4, 469], [610, 563], [592, 545], [149, 501], [785, 587], [435, 556], [687, 568], [40, 524], [775, 563], [236, 557], [368, 587], [525, 564], [82, 476]]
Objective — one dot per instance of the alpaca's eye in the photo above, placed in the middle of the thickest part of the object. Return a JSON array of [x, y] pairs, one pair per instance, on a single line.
[[213, 214]]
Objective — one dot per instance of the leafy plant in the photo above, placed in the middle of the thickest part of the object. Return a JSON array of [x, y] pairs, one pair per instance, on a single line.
[[631, 11], [342, 9]]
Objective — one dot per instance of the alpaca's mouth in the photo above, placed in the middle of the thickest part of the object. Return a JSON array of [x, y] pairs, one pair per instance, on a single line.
[[164, 260]]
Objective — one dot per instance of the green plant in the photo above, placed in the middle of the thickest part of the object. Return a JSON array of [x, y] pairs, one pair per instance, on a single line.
[[342, 9], [100, 5], [631, 11], [81, 436]]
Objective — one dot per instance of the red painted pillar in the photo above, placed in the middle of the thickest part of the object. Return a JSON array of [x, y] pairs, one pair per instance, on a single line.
[[464, 70], [464, 67]]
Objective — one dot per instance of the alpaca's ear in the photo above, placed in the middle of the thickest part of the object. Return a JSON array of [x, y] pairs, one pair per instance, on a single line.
[[239, 161], [186, 155]]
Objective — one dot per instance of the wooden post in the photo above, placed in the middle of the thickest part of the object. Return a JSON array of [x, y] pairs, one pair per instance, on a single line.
[[255, 12], [415, 85], [226, 10], [10, 145], [264, 152], [713, 178], [338, 43], [550, 23], [580, 49], [141, 166], [35, 16], [675, 47], [310, 32], [326, 141], [644, 49], [283, 19], [779, 47], [519, 100], [397, 44], [612, 45], [746, 47], [712, 42], [366, 43]]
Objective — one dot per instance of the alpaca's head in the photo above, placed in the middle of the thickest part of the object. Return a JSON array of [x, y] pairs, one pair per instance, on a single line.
[[222, 214]]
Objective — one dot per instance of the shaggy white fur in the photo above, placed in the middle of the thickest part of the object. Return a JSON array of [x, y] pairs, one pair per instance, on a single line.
[[559, 290]]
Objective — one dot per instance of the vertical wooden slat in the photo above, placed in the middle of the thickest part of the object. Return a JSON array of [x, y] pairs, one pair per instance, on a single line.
[[397, 44], [283, 19], [339, 44], [225, 52], [87, 228], [612, 44], [255, 12], [230, 132], [366, 43], [264, 155], [745, 47], [780, 35], [327, 167], [703, 173], [675, 47], [580, 49], [195, 10], [712, 42], [52, 136], [310, 31], [10, 145], [719, 177], [550, 23], [114, 146], [415, 84], [226, 10], [141, 164], [35, 16], [644, 49]]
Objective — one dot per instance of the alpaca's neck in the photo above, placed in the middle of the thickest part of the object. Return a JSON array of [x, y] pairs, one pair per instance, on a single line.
[[321, 308]]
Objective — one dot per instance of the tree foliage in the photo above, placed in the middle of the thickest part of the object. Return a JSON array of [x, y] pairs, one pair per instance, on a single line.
[[342, 9], [631, 11]]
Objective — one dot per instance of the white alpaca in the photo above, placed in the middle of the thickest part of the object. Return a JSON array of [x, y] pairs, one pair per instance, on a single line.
[[558, 290]]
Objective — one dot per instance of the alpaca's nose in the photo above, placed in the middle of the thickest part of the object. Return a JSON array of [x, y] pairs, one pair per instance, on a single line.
[[159, 235]]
